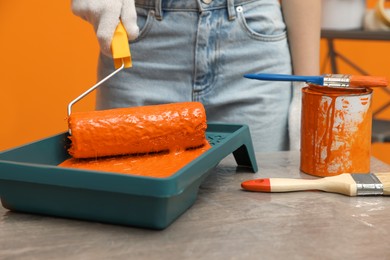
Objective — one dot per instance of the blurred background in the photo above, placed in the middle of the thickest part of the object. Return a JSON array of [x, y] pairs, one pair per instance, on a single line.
[[49, 56]]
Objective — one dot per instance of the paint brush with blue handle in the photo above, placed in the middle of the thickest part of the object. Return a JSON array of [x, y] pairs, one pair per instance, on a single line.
[[327, 80]]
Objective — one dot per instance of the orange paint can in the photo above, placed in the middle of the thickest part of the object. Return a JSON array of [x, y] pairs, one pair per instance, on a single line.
[[335, 130]]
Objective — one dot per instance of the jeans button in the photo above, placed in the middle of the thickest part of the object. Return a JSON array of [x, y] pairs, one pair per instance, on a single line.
[[207, 1]]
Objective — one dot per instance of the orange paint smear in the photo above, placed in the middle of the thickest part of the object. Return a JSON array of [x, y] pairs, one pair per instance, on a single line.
[[137, 130], [335, 131], [159, 165], [359, 81]]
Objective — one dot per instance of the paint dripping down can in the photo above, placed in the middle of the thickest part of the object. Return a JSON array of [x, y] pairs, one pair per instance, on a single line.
[[336, 130]]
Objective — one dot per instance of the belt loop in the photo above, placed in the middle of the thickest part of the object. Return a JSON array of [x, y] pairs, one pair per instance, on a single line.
[[231, 10], [158, 9]]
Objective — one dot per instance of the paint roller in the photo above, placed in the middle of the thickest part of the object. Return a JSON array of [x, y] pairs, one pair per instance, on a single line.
[[134, 130]]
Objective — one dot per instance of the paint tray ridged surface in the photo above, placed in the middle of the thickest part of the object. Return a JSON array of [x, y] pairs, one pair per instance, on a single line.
[[31, 181]]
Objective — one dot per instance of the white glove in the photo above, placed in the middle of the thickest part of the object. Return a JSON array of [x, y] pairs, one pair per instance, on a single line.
[[104, 15], [294, 116]]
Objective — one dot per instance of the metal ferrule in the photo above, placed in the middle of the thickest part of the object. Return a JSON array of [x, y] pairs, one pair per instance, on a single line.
[[336, 80], [367, 184]]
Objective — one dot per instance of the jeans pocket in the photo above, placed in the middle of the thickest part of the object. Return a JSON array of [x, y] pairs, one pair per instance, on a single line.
[[263, 22], [145, 19]]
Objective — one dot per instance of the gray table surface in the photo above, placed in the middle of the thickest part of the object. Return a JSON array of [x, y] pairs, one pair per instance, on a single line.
[[224, 223]]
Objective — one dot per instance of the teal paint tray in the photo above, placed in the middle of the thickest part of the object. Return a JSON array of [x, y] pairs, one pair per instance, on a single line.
[[31, 182]]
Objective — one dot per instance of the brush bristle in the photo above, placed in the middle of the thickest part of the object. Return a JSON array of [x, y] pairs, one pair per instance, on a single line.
[[384, 177], [368, 81]]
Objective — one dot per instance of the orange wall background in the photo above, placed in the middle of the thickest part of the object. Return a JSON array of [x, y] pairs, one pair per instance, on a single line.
[[49, 56]]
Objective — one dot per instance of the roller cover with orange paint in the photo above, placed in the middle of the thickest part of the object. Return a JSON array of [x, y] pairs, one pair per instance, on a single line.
[[136, 130], [335, 131]]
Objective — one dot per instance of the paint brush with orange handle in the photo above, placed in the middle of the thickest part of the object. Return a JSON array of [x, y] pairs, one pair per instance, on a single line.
[[347, 184], [327, 80]]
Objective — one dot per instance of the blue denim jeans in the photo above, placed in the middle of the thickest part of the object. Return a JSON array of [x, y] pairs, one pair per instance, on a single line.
[[191, 51]]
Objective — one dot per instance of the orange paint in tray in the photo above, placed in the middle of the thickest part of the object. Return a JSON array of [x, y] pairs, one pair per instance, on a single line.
[[154, 141], [335, 130], [159, 165]]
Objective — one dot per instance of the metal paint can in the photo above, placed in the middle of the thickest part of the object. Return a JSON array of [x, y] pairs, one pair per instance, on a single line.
[[335, 130]]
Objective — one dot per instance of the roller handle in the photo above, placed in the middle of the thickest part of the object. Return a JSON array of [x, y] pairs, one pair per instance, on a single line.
[[120, 47], [122, 59]]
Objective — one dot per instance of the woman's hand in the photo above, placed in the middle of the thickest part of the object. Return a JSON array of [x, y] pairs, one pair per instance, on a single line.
[[104, 15], [303, 20], [294, 116]]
